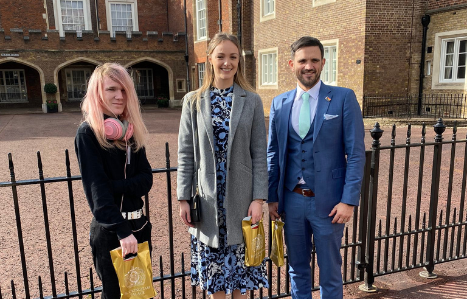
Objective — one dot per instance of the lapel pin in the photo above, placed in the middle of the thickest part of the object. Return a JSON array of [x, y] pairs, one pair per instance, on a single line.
[[328, 99]]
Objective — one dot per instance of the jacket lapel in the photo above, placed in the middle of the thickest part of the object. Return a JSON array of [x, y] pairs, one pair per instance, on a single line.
[[283, 129], [321, 109], [238, 99], [205, 109]]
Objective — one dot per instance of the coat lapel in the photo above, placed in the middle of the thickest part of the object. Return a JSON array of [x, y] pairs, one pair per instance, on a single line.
[[321, 109], [238, 99], [286, 109], [205, 109]]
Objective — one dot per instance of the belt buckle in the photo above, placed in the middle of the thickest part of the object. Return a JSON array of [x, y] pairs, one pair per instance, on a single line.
[[305, 190]]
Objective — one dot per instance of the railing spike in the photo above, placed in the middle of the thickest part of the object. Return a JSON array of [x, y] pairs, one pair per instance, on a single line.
[[39, 165]]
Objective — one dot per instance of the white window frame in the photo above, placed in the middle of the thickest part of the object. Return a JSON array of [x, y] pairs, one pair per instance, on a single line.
[[268, 68], [322, 2], [58, 15], [23, 89], [201, 29], [268, 10], [134, 11], [201, 73], [455, 64], [331, 65], [150, 79], [438, 82]]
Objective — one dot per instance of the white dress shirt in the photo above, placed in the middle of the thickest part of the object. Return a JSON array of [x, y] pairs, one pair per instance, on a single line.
[[297, 104]]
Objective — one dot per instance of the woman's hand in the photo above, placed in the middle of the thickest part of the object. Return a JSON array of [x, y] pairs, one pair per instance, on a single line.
[[185, 212], [256, 210], [129, 245]]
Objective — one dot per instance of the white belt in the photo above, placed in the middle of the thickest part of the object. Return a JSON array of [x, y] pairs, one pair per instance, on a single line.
[[133, 215]]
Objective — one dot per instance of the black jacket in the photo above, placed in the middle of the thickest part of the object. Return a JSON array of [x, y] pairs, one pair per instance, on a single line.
[[102, 172]]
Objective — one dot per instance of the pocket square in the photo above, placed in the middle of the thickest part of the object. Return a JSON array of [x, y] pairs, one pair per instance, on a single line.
[[329, 116]]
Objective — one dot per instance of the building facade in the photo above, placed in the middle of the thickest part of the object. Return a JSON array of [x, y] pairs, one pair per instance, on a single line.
[[62, 41], [371, 46]]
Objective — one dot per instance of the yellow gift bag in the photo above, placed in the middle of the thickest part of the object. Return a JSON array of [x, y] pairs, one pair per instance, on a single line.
[[135, 275], [277, 250], [253, 235]]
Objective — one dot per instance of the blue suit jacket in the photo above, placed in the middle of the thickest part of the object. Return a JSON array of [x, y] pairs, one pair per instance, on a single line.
[[338, 148]]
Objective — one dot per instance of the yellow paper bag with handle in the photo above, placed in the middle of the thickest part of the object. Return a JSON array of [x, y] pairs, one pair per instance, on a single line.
[[277, 247], [253, 236], [135, 275]]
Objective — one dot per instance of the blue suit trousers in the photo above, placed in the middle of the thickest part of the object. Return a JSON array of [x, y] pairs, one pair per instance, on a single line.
[[301, 223]]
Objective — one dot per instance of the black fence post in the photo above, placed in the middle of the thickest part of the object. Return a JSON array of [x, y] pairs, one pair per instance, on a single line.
[[18, 229], [376, 134], [430, 249]]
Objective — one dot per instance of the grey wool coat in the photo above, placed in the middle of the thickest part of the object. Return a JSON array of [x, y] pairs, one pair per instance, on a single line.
[[247, 176]]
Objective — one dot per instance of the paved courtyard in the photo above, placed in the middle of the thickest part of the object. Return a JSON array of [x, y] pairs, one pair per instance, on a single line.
[[23, 135]]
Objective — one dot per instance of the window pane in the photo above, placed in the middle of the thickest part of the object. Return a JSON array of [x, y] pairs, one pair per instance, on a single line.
[[461, 73], [450, 47], [462, 59], [462, 46], [122, 17], [449, 60], [72, 14], [448, 73]]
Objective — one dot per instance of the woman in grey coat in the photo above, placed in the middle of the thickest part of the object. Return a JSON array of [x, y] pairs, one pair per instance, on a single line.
[[222, 152]]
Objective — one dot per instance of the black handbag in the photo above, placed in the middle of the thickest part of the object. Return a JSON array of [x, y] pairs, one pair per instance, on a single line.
[[195, 208]]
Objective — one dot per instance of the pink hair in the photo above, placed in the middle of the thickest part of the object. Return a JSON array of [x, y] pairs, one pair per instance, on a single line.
[[93, 104]]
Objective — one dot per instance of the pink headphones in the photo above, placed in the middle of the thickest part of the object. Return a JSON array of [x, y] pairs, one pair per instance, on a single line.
[[118, 130]]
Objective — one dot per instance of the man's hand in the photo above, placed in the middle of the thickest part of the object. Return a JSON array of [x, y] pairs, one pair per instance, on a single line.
[[273, 206], [342, 213], [185, 212], [129, 245]]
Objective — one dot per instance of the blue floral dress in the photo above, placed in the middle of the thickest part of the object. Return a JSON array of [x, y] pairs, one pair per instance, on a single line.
[[223, 268]]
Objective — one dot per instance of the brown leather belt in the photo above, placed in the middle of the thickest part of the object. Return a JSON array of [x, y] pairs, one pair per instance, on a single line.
[[304, 192]]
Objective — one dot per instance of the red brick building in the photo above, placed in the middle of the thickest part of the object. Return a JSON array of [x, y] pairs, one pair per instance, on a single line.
[[371, 46], [61, 42]]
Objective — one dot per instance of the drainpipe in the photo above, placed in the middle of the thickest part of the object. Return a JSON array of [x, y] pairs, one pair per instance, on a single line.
[[97, 17], [220, 16], [188, 85], [168, 26], [239, 13], [425, 22]]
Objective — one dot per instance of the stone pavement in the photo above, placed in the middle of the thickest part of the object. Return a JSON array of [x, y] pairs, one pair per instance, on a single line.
[[451, 282]]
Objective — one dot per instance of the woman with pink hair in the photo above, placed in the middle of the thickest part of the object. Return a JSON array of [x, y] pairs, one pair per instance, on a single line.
[[115, 171]]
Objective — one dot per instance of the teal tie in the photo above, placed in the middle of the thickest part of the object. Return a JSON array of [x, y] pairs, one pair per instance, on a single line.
[[304, 119]]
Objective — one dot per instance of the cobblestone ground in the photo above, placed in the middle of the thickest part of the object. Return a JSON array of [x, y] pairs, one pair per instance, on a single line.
[[23, 135]]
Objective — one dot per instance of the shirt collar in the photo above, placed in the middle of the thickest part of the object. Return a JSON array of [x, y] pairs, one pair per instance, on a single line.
[[313, 92]]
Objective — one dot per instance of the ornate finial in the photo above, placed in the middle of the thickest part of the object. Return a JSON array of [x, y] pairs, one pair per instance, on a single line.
[[423, 132], [409, 133], [376, 134], [439, 130]]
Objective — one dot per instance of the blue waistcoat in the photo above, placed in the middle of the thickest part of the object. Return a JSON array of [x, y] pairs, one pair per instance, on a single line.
[[300, 158]]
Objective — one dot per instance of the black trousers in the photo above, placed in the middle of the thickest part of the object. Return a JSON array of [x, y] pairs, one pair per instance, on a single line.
[[102, 241]]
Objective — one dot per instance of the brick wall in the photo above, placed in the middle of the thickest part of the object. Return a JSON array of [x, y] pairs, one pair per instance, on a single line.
[[393, 41], [296, 18], [22, 14], [435, 4]]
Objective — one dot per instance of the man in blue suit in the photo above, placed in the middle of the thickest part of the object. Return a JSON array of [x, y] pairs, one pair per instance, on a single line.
[[316, 156]]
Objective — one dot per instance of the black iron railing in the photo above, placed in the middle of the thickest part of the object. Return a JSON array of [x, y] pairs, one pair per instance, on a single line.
[[406, 106], [375, 243]]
